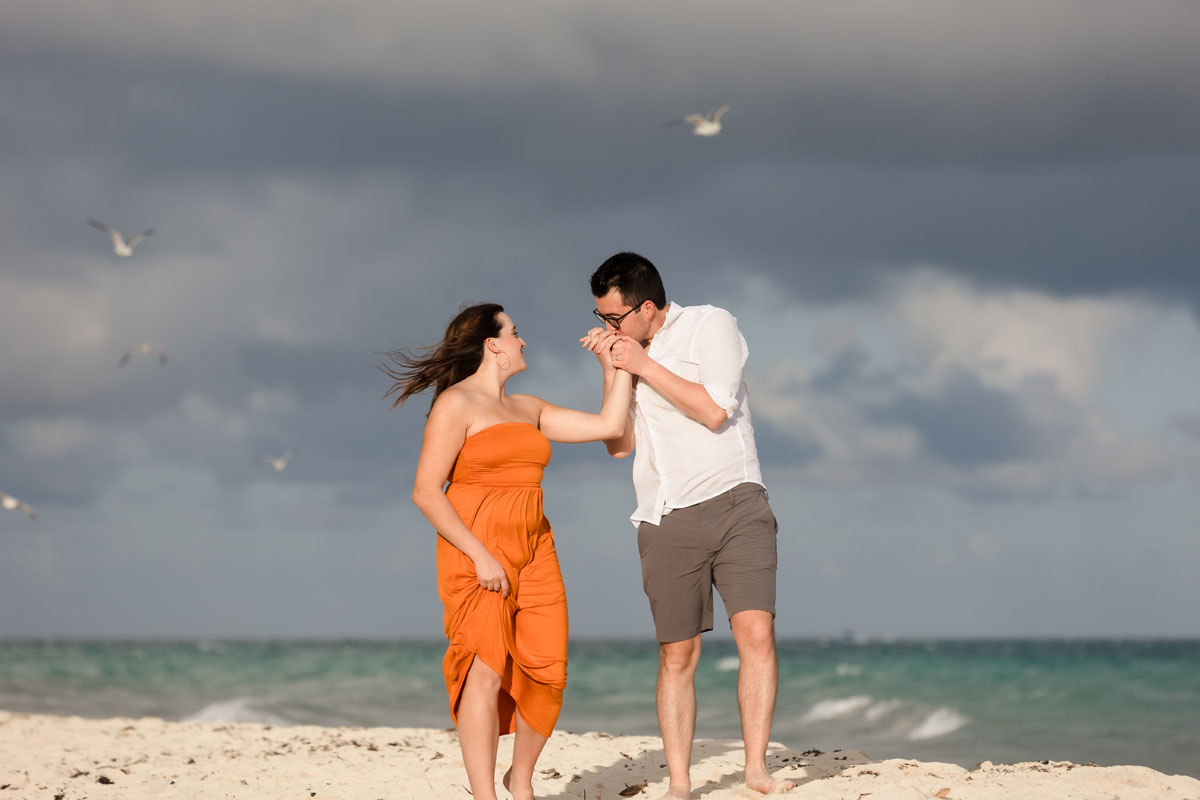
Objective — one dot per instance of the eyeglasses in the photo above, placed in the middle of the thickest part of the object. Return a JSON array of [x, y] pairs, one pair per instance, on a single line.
[[614, 319]]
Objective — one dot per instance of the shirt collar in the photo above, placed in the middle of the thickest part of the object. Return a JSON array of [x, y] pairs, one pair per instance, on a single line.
[[674, 311]]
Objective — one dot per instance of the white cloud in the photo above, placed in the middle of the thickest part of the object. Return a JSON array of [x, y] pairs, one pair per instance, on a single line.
[[1011, 336], [937, 382]]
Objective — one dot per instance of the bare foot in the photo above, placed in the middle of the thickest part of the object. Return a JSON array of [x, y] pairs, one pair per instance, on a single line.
[[521, 792], [678, 793], [765, 784]]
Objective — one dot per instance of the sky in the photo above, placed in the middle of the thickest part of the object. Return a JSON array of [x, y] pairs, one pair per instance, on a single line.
[[959, 239]]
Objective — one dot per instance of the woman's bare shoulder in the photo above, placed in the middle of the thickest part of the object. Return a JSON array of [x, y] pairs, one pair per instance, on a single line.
[[455, 401], [529, 404]]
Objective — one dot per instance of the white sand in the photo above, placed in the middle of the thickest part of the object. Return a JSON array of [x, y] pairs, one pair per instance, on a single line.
[[123, 759]]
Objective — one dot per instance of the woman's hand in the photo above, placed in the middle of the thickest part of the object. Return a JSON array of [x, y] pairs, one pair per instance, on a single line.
[[600, 342], [491, 575]]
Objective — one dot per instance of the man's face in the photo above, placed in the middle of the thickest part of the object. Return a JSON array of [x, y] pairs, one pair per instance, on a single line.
[[633, 321]]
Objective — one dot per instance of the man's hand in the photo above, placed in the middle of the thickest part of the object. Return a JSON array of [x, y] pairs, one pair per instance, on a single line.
[[629, 355], [600, 341]]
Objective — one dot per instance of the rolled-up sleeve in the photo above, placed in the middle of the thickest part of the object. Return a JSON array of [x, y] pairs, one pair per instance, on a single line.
[[722, 356]]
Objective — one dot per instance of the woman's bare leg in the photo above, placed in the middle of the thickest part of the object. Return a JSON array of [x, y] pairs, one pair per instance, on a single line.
[[479, 728], [527, 746]]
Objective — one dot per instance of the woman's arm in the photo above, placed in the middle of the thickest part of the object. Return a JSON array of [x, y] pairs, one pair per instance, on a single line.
[[600, 341], [445, 432], [619, 446], [560, 424]]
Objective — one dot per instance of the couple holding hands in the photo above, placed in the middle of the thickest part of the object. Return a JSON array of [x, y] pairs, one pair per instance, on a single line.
[[674, 397]]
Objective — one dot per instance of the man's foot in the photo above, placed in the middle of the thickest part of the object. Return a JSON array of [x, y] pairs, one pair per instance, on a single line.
[[763, 783], [520, 792], [678, 793]]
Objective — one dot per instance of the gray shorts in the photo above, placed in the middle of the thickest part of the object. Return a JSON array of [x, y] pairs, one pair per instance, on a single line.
[[727, 541]]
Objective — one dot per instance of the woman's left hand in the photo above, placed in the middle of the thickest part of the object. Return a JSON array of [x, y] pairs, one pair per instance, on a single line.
[[600, 341]]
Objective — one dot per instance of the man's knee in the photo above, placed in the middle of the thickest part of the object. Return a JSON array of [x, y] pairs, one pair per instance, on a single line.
[[754, 632], [679, 658]]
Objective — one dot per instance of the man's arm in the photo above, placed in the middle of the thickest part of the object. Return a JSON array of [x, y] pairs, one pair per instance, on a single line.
[[713, 398], [691, 398]]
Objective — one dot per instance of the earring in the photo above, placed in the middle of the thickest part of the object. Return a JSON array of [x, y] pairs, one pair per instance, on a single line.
[[504, 365]]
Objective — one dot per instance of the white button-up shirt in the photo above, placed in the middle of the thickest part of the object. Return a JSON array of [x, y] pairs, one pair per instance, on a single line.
[[677, 461]]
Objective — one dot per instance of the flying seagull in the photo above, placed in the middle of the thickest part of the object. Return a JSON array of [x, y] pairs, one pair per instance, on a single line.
[[11, 503], [277, 464], [120, 246], [144, 349], [703, 124]]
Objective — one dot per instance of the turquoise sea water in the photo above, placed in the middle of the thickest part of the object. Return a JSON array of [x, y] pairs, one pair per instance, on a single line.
[[1108, 702]]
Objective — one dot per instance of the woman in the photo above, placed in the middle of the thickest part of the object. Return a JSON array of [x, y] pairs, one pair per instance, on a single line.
[[498, 574]]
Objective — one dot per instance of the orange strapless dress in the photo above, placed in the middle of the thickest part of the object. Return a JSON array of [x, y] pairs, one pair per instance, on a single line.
[[496, 488]]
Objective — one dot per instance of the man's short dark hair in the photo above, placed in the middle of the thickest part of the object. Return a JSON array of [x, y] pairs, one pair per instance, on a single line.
[[633, 276]]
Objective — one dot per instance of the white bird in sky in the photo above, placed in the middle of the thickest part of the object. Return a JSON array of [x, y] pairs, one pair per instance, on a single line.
[[11, 503], [121, 245], [278, 464], [703, 124], [144, 349]]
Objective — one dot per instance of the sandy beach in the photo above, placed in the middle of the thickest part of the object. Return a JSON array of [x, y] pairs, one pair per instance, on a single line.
[[69, 758]]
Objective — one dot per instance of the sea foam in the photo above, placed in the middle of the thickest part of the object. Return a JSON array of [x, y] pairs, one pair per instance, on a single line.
[[239, 709], [727, 663], [837, 707], [939, 723], [881, 709]]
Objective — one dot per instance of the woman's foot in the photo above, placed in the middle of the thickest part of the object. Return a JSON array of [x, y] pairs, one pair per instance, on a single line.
[[519, 792]]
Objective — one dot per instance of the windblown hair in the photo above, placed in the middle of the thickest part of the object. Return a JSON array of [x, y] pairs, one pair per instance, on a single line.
[[633, 276], [457, 356]]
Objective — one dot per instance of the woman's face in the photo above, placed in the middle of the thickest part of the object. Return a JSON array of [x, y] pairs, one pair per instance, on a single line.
[[511, 343]]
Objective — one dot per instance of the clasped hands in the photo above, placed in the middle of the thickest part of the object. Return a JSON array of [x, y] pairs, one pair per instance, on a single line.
[[614, 349]]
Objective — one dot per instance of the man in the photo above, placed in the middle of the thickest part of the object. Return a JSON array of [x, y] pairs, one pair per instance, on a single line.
[[702, 515]]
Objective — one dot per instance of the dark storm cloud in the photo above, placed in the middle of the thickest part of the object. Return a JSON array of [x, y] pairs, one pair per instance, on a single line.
[[1061, 157], [849, 370], [1066, 230], [313, 372], [935, 82], [74, 478], [779, 447], [325, 187], [968, 424]]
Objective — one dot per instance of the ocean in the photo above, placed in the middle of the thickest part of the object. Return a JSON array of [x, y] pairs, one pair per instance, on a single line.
[[1106, 702]]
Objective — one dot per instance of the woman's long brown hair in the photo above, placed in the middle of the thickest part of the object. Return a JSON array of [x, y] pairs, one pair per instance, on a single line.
[[457, 356]]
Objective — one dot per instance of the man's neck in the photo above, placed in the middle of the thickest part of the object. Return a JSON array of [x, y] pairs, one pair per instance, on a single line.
[[660, 319]]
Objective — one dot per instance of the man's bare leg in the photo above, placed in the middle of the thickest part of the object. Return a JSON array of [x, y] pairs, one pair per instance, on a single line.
[[758, 680], [677, 710], [527, 746], [479, 728]]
